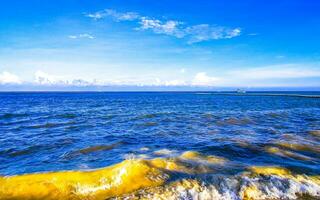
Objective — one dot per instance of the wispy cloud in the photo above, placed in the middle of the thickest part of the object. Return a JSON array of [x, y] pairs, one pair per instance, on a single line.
[[205, 32], [253, 34], [178, 29], [83, 35], [117, 16], [168, 27]]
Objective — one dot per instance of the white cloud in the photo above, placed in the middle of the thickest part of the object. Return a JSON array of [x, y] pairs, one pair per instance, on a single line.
[[230, 33], [267, 76], [127, 16], [205, 32], [95, 16], [73, 36], [195, 33], [169, 27], [202, 79], [84, 35], [175, 83], [117, 16], [80, 82], [43, 78], [9, 78]]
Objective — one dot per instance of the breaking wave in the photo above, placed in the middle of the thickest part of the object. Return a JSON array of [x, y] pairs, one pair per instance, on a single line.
[[188, 175]]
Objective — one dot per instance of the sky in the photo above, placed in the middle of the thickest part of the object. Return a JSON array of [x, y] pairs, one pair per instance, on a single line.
[[162, 44]]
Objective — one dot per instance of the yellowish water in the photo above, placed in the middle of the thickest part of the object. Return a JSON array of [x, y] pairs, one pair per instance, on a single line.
[[125, 177], [122, 178], [157, 179]]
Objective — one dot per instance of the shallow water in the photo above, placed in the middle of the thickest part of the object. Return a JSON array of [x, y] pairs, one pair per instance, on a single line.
[[227, 135]]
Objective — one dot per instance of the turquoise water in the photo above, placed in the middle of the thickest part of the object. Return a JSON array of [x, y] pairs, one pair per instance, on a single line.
[[43, 132]]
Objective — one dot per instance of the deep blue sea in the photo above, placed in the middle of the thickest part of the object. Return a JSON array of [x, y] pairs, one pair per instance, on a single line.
[[54, 131]]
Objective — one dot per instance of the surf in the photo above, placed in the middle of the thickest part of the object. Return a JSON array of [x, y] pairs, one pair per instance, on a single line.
[[189, 175]]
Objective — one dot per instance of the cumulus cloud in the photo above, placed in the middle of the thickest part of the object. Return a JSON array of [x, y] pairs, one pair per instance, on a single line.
[[84, 35], [202, 79], [9, 78], [178, 29]]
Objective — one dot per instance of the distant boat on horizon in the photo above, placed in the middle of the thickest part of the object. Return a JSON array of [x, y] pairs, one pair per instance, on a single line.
[[241, 91]]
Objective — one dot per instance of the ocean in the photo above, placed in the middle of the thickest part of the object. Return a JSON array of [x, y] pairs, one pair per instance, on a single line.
[[159, 145]]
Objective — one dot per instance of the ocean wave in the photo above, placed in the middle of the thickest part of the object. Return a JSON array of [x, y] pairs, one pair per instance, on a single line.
[[315, 133], [190, 175], [235, 121]]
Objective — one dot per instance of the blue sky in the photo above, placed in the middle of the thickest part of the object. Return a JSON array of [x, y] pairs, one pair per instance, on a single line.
[[148, 43]]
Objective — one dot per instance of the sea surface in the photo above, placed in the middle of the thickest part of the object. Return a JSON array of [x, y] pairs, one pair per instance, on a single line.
[[159, 145]]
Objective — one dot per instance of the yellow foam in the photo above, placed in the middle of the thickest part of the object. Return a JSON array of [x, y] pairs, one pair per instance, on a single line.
[[285, 153], [104, 183], [300, 147], [125, 177], [251, 193], [269, 170], [193, 155]]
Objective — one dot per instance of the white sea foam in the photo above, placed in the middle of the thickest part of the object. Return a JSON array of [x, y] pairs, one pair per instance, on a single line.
[[238, 188]]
